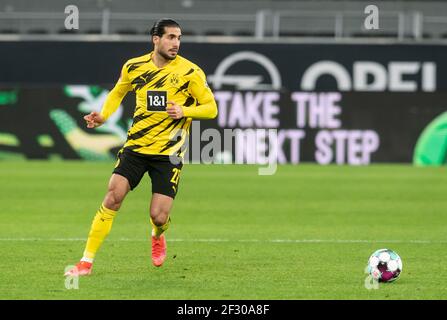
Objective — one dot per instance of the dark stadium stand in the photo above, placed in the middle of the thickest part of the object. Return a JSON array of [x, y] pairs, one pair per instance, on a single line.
[[246, 18]]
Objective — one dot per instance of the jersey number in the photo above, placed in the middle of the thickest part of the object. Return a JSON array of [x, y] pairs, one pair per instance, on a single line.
[[176, 176], [156, 100]]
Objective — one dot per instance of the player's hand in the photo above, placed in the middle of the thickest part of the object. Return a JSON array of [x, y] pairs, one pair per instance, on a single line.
[[94, 119], [174, 110]]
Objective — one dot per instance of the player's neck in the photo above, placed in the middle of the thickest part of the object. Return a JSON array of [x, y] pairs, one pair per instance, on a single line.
[[159, 61]]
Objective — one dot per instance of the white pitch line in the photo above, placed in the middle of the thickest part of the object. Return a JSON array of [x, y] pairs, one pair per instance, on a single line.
[[238, 240]]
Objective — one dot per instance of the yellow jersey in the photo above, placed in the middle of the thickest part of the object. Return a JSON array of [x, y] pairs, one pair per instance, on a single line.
[[153, 132]]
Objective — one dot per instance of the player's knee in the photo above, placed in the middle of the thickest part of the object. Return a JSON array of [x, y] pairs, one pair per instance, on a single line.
[[113, 199], [159, 216]]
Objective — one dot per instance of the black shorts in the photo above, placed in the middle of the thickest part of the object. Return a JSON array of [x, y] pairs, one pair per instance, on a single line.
[[164, 175]]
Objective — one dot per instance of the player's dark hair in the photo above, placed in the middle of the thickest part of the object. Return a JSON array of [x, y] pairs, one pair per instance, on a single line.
[[158, 29]]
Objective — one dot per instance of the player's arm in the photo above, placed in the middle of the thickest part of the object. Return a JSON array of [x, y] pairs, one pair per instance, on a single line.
[[113, 101], [198, 88]]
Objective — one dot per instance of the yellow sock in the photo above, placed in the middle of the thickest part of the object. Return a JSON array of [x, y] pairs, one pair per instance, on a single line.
[[158, 230], [101, 226]]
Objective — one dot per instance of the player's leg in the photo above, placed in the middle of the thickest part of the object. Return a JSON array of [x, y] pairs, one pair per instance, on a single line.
[[165, 178], [160, 208], [126, 176], [102, 223]]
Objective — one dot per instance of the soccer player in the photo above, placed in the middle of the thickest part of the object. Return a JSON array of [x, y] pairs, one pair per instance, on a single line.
[[170, 91]]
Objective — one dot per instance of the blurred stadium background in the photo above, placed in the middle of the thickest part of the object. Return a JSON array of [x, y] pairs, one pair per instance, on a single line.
[[281, 48], [251, 18], [338, 94]]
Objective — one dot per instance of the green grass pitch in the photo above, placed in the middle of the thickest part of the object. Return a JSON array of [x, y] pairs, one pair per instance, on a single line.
[[304, 233]]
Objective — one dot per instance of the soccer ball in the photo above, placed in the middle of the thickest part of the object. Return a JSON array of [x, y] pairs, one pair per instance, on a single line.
[[384, 265]]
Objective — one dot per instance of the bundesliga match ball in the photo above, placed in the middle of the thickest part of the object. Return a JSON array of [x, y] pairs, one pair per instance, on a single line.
[[384, 265]]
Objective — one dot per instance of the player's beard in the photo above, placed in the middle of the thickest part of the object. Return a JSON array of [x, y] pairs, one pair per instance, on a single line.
[[166, 56]]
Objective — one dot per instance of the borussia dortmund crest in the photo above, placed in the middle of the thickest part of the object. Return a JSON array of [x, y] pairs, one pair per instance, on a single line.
[[174, 79]]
